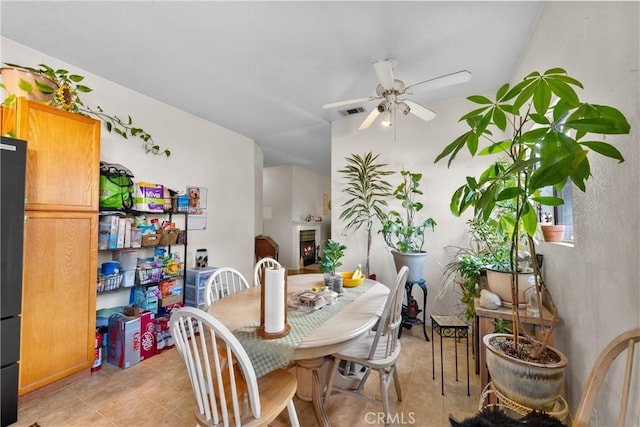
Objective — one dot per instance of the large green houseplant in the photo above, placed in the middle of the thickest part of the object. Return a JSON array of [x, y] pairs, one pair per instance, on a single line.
[[367, 190], [63, 89], [542, 135], [401, 232]]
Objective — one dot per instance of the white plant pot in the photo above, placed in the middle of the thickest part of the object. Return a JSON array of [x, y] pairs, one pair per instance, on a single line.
[[414, 260], [534, 385], [499, 283]]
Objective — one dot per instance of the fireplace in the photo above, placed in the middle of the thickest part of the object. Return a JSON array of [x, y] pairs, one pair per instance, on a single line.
[[308, 247]]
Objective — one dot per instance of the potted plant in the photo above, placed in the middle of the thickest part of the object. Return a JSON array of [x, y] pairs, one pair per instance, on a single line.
[[550, 232], [401, 233], [467, 266], [367, 191], [60, 88], [330, 261], [538, 130]]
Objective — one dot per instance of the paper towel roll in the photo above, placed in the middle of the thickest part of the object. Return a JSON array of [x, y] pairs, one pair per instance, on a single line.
[[274, 300]]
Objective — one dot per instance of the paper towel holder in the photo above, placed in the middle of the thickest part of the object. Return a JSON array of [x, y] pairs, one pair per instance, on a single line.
[[261, 330]]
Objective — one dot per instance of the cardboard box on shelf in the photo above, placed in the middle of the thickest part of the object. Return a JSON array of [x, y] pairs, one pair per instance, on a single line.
[[147, 336], [170, 300], [124, 340]]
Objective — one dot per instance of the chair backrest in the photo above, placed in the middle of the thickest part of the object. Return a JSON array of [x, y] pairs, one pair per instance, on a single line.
[[218, 366], [263, 263], [222, 282], [625, 341], [391, 320]]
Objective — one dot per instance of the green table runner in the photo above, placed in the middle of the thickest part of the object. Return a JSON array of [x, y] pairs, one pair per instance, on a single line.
[[267, 355]]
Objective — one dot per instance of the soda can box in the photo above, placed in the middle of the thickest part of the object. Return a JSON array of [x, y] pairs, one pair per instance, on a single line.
[[147, 336], [124, 340]]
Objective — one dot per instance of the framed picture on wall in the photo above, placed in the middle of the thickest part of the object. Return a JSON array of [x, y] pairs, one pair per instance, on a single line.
[[197, 207]]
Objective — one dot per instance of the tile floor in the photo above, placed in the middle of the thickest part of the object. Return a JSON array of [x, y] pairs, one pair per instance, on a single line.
[[156, 392]]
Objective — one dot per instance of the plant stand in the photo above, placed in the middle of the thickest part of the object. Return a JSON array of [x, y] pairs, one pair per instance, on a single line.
[[449, 327], [408, 321], [491, 397]]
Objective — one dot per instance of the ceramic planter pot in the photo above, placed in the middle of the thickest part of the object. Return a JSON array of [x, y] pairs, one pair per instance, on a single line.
[[11, 79], [413, 260], [499, 282], [552, 233], [534, 385]]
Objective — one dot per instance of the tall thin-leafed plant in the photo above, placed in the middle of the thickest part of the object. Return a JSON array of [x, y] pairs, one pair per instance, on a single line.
[[367, 190]]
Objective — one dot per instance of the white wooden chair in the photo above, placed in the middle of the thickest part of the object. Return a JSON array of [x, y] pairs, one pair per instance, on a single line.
[[379, 351], [222, 282], [625, 341], [223, 380], [263, 263]]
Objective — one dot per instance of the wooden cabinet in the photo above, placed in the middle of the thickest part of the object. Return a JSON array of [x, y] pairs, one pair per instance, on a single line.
[[63, 156], [60, 247], [59, 300]]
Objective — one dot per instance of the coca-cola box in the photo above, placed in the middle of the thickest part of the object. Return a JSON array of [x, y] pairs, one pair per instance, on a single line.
[[124, 340]]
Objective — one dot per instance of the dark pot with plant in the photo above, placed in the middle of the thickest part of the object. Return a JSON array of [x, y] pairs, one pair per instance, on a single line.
[[401, 233], [329, 262], [544, 124], [367, 191], [60, 88]]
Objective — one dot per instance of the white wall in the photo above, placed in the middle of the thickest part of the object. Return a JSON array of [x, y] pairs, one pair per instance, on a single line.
[[203, 154], [596, 283], [290, 194]]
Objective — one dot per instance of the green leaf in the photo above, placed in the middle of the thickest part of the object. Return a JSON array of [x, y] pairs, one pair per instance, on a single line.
[[564, 92], [454, 147], [499, 119], [44, 88], [548, 200], [556, 172], [502, 91], [83, 89], [76, 78], [25, 85], [529, 219], [604, 149], [498, 147], [479, 99], [542, 97], [510, 193]]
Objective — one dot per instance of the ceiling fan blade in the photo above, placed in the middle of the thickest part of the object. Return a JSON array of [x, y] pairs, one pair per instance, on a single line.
[[420, 111], [373, 115], [349, 102], [442, 81], [384, 70]]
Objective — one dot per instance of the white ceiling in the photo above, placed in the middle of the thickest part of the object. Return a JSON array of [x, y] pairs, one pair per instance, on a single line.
[[264, 69]]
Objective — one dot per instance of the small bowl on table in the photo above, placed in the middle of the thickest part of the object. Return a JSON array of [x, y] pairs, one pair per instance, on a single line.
[[348, 282]]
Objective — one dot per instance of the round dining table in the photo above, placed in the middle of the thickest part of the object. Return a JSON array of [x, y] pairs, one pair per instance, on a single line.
[[338, 332]]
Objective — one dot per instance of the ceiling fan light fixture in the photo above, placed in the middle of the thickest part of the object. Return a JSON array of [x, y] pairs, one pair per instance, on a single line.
[[386, 118], [403, 108]]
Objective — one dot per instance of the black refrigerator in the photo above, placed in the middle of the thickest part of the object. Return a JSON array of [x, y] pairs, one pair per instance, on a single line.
[[13, 154]]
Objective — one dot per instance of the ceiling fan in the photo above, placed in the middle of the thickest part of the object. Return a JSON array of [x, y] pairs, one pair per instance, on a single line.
[[392, 93]]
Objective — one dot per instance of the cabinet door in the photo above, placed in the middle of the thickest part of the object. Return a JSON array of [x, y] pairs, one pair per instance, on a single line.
[[63, 157], [59, 297]]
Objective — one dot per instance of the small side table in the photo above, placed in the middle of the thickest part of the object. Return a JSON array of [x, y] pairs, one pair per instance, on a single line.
[[449, 327], [410, 321]]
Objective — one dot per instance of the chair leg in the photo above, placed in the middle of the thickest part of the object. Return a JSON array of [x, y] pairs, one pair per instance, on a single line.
[[293, 415], [396, 381], [332, 376], [384, 392]]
